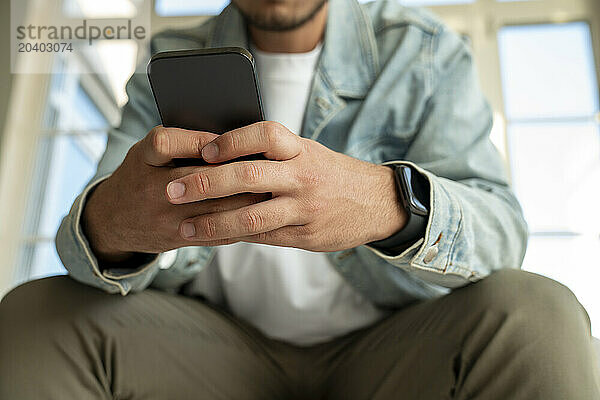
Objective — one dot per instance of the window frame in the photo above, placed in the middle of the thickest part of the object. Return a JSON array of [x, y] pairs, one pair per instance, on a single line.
[[579, 119], [19, 153]]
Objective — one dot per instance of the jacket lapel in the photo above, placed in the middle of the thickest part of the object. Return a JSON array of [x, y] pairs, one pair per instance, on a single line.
[[347, 67]]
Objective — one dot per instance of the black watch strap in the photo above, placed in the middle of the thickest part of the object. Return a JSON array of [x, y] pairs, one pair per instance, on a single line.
[[413, 190]]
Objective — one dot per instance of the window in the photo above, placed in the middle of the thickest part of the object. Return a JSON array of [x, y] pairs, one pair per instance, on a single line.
[[168, 8], [71, 143], [81, 100], [103, 9], [551, 104]]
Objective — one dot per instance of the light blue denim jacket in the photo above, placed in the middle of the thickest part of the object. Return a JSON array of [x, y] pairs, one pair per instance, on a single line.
[[392, 85]]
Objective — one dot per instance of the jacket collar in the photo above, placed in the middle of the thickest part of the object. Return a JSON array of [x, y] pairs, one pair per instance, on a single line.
[[349, 60]]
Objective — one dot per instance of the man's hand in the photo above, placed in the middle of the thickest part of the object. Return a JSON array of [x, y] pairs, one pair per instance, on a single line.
[[129, 212], [322, 200]]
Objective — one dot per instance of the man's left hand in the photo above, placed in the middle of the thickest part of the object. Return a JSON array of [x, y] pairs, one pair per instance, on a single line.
[[321, 200]]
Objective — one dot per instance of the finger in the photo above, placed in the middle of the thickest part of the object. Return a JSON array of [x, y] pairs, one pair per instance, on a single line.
[[287, 236], [212, 243], [180, 172], [221, 205], [162, 145], [246, 221], [229, 179], [272, 139]]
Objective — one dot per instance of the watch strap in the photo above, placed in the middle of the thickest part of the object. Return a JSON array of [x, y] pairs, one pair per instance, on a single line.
[[416, 223]]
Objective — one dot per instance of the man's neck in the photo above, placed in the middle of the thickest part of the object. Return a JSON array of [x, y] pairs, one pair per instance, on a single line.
[[299, 40]]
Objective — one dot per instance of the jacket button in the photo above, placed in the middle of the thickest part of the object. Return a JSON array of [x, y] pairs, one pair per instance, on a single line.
[[431, 253]]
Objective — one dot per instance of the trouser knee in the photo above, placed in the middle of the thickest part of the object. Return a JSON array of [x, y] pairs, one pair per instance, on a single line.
[[541, 298], [48, 305], [529, 308]]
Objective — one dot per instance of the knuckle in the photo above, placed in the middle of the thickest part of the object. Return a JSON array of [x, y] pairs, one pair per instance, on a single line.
[[251, 173], [307, 177], [207, 227], [308, 145], [267, 129], [233, 142], [201, 182], [270, 130], [274, 141], [274, 126], [159, 140], [252, 221]]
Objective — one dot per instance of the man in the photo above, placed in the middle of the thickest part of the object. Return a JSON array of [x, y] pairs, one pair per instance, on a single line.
[[329, 286]]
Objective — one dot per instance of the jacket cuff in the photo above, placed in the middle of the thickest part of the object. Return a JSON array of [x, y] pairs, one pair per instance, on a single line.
[[76, 254], [430, 258]]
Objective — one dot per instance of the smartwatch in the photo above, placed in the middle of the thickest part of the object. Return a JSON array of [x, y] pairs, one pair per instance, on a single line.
[[413, 191]]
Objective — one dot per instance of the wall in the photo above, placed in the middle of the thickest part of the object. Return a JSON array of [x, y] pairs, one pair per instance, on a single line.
[[5, 75]]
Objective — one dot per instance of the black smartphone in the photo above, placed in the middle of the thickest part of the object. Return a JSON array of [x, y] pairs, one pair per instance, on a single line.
[[214, 90]]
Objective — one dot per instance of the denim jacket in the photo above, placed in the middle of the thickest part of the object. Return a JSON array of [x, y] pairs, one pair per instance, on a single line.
[[392, 85]]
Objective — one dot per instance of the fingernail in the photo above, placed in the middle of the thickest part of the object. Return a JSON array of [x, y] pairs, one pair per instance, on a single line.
[[189, 230], [210, 151], [175, 190]]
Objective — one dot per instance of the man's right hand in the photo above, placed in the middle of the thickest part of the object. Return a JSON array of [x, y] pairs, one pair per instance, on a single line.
[[129, 213]]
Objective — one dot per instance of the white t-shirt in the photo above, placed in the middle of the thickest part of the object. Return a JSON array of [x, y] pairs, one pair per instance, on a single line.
[[289, 294]]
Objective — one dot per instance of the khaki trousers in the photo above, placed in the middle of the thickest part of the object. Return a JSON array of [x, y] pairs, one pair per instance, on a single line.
[[513, 335]]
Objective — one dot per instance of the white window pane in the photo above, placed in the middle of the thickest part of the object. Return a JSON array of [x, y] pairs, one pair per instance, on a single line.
[[573, 262], [556, 175], [75, 110], [548, 71], [101, 9], [64, 163], [167, 8], [72, 165], [42, 260]]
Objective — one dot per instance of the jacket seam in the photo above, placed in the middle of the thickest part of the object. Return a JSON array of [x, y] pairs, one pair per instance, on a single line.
[[397, 25], [368, 39], [456, 270], [431, 63], [456, 234]]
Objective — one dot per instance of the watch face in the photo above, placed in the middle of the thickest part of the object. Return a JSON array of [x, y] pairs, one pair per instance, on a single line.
[[416, 189]]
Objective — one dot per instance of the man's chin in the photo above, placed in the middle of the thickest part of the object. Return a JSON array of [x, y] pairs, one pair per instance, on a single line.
[[278, 16], [274, 25]]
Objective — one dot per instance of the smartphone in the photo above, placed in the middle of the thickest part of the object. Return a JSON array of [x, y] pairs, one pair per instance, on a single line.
[[214, 90]]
